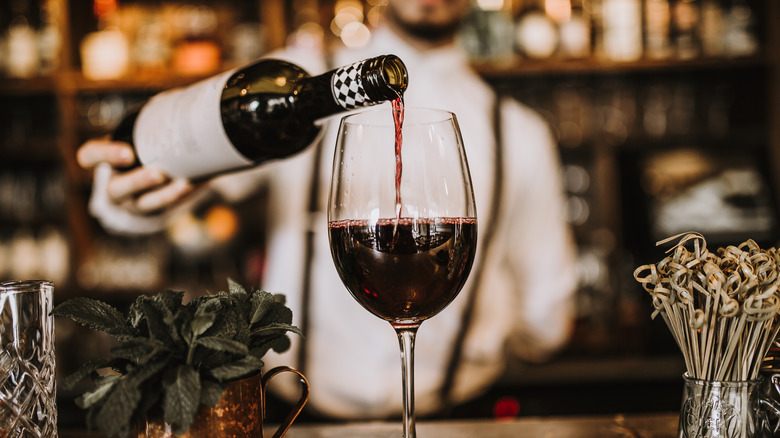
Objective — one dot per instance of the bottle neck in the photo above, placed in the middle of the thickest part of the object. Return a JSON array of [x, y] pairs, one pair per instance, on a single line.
[[385, 78], [316, 98], [361, 84]]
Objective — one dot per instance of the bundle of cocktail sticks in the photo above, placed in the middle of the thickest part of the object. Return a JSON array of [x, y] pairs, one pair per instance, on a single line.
[[721, 308]]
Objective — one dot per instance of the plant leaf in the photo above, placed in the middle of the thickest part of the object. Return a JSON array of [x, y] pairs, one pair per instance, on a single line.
[[171, 299], [182, 397], [138, 350], [276, 328], [202, 322], [235, 288], [211, 392], [262, 302], [237, 369], [117, 410], [94, 314], [277, 313], [136, 314], [84, 370], [103, 387], [181, 323], [279, 344], [152, 392], [223, 344], [155, 316], [152, 370], [229, 324]]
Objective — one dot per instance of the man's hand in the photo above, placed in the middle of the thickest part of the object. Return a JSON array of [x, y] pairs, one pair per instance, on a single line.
[[142, 190]]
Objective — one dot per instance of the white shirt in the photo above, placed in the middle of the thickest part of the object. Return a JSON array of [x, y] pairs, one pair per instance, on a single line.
[[524, 304]]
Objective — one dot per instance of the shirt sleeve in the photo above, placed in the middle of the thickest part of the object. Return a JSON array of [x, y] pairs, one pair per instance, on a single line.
[[115, 218], [540, 250]]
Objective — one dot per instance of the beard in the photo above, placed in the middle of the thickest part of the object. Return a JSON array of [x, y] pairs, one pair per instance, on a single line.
[[423, 30]]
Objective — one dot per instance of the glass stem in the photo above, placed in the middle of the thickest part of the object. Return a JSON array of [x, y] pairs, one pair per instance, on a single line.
[[406, 340]]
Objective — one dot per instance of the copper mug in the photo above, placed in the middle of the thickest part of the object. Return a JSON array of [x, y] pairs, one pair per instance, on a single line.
[[239, 414]]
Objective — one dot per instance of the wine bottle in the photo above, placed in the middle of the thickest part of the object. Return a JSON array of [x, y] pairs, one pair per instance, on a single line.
[[251, 115]]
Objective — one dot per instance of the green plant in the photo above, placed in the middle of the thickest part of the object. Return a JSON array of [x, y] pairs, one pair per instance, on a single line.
[[174, 357]]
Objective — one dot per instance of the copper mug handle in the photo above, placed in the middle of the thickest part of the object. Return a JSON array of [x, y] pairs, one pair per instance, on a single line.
[[296, 410]]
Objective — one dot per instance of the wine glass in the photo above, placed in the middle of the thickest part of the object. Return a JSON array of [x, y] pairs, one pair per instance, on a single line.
[[402, 220]]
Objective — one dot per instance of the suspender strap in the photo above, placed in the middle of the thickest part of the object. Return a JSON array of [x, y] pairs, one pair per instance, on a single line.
[[308, 260], [312, 209], [486, 239]]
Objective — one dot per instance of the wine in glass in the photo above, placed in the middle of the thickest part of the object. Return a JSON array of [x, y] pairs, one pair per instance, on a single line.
[[402, 220]]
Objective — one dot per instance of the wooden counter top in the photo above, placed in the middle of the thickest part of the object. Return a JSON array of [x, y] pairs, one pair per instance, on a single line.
[[622, 426]]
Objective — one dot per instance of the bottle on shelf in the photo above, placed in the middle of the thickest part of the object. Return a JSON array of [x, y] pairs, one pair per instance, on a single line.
[[198, 52], [536, 33], [49, 37], [151, 42], [487, 33], [713, 27], [686, 28], [575, 32], [657, 17], [739, 33], [105, 53], [247, 116], [622, 29], [21, 55]]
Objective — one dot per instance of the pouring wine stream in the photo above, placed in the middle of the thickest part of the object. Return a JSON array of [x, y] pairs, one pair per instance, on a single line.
[[398, 119]]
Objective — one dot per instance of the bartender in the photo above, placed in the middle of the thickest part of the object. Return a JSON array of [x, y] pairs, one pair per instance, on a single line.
[[518, 301]]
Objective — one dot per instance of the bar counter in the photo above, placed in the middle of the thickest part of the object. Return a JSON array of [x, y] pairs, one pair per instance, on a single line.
[[636, 425], [618, 426]]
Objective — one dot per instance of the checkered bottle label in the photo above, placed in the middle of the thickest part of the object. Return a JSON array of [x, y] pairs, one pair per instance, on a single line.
[[348, 87]]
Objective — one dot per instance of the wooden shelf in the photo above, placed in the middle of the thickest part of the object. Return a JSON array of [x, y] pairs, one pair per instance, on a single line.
[[73, 82], [28, 86], [524, 67], [36, 151]]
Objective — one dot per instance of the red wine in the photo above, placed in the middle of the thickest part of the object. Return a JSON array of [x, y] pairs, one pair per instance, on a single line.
[[406, 271]]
